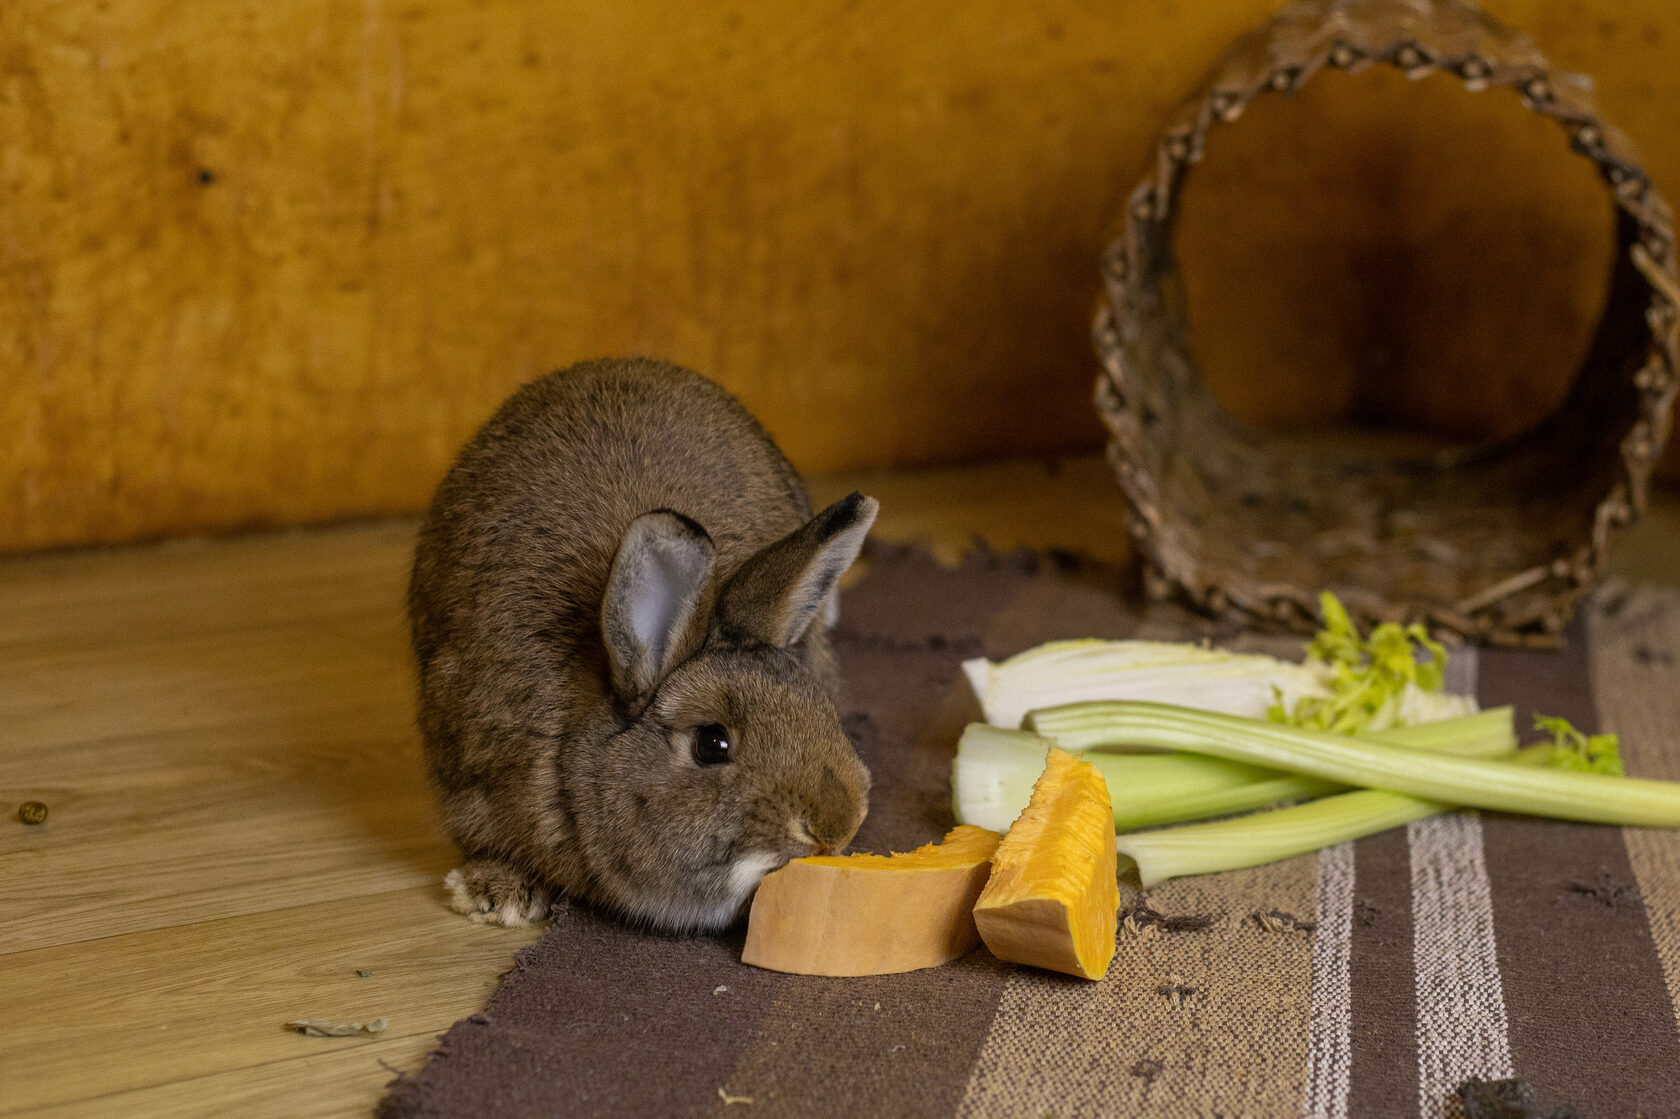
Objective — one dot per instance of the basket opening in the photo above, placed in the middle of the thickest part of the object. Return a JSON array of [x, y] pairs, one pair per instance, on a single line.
[[1391, 266], [1363, 341]]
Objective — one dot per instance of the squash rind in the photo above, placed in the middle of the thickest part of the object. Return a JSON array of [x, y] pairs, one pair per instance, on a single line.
[[871, 914]]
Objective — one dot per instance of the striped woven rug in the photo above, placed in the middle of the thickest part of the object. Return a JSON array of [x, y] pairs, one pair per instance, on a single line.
[[1367, 981]]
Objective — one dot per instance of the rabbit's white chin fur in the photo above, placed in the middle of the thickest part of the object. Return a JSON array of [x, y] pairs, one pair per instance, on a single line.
[[748, 870], [744, 877]]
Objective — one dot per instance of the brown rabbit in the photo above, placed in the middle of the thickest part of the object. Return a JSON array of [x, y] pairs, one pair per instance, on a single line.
[[620, 607]]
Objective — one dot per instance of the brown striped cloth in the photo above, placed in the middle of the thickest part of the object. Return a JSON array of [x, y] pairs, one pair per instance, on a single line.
[[1377, 977]]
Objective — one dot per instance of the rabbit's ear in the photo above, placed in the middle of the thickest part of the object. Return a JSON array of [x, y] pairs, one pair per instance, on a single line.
[[777, 592], [658, 599]]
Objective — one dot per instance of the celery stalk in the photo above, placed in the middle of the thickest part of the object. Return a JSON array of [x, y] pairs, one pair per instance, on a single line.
[[992, 777], [1472, 782], [1485, 734], [1267, 837]]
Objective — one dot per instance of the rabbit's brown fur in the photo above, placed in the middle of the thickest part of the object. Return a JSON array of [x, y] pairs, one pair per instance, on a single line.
[[619, 556]]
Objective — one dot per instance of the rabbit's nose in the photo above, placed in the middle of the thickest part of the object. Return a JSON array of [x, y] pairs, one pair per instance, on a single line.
[[823, 845], [843, 788], [833, 822], [813, 837], [800, 828]]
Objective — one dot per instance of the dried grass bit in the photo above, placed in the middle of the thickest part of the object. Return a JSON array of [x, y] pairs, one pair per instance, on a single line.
[[1508, 1099], [321, 1027], [1147, 1069], [1281, 921], [1142, 916], [1606, 891], [729, 1099], [1176, 991]]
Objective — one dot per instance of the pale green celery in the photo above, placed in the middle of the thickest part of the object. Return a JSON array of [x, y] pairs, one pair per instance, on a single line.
[[1472, 782], [1267, 837], [1192, 675], [993, 775], [994, 772], [1348, 684], [1485, 734]]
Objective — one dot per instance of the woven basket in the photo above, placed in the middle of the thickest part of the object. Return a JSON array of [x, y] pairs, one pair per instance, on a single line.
[[1494, 542]]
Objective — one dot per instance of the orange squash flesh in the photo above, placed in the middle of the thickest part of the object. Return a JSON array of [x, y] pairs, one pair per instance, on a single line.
[[871, 914], [1053, 900]]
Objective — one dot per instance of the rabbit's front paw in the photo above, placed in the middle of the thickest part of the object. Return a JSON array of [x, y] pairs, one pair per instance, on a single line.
[[496, 894]]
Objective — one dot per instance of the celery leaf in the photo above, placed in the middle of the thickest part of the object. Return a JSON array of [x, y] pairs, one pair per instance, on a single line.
[[1369, 677], [1572, 749]]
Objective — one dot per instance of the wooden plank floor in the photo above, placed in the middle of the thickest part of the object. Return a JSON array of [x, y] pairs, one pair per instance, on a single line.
[[239, 825]]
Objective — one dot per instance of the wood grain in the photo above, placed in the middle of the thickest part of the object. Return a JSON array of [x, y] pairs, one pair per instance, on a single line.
[[167, 1010], [269, 263], [224, 735], [338, 1084]]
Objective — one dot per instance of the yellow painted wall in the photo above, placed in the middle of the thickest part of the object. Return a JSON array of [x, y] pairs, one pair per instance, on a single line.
[[271, 260]]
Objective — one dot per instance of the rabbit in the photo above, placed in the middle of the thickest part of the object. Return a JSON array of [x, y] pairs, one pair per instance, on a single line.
[[619, 606]]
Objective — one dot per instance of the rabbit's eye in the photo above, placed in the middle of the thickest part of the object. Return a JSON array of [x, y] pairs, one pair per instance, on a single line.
[[711, 744]]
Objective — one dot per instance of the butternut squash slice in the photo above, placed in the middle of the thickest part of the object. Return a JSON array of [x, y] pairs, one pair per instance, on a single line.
[[871, 914], [1053, 900]]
